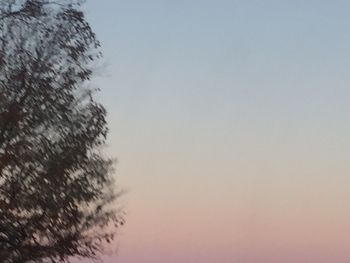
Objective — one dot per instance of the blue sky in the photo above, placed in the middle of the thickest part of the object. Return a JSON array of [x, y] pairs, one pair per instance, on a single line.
[[224, 53]]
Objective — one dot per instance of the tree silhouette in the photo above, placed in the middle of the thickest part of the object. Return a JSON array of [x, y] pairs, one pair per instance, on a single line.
[[56, 187]]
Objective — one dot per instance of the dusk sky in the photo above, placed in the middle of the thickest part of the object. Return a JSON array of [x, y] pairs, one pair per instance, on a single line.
[[230, 123]]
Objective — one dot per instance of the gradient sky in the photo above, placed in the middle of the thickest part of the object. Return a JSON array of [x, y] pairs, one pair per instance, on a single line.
[[230, 122]]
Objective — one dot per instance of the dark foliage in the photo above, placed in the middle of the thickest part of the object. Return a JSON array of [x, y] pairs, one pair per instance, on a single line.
[[55, 185]]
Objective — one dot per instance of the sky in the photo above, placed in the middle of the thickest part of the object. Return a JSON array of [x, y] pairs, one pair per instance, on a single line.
[[230, 123]]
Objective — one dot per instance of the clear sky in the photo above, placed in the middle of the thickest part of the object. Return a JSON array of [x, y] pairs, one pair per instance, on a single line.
[[230, 122]]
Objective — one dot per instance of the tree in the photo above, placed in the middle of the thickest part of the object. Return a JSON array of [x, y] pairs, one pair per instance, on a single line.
[[56, 186]]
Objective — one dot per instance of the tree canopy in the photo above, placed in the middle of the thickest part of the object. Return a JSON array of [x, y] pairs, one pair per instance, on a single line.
[[56, 185]]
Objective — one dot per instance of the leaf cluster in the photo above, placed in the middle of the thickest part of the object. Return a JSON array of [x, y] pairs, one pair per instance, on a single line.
[[56, 186]]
